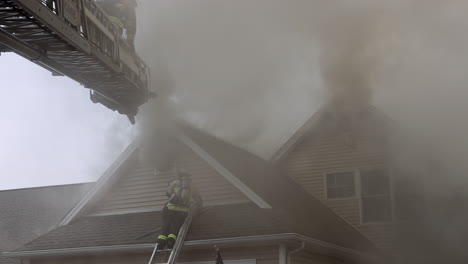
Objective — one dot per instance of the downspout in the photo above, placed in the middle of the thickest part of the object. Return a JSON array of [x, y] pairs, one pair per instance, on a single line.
[[283, 254], [300, 248]]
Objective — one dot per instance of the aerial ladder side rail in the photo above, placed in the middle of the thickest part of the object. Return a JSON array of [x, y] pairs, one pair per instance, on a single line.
[[76, 38], [179, 243]]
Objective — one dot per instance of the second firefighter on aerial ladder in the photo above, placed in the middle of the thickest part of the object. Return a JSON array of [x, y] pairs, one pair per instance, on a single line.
[[183, 198], [123, 14]]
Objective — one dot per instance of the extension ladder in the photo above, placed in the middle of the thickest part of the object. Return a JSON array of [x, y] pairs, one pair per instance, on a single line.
[[179, 243]]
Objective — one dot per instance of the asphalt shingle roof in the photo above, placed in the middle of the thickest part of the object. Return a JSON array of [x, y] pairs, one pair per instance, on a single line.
[[214, 222], [28, 213]]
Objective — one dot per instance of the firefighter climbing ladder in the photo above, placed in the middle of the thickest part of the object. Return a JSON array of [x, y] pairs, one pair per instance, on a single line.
[[178, 244], [75, 38]]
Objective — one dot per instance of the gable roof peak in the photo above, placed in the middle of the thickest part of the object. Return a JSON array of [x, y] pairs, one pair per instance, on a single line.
[[326, 112]]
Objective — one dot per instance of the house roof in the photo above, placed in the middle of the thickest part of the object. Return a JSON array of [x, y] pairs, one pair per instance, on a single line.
[[311, 217], [28, 213], [315, 122], [294, 210], [215, 222]]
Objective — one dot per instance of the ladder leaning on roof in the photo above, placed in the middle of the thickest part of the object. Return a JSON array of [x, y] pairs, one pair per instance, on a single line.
[[178, 244]]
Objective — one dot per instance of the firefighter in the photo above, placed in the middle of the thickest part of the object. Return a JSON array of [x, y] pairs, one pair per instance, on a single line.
[[123, 14], [183, 197], [127, 9]]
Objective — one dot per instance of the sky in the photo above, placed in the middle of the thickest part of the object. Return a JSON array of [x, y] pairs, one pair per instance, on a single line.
[[50, 131]]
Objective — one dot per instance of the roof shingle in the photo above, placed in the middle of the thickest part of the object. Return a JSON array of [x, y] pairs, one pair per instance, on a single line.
[[215, 222], [27, 213]]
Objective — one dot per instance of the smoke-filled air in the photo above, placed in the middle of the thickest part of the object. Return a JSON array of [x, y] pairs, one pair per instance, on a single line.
[[252, 71]]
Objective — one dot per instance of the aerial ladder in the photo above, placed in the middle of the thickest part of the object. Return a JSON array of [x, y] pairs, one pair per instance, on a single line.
[[76, 38]]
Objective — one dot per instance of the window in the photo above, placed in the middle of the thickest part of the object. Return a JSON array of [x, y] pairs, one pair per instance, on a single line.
[[376, 205], [340, 185]]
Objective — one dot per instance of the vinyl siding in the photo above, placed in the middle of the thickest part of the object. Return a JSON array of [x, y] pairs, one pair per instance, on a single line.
[[321, 153], [144, 188], [381, 234], [263, 255], [304, 257]]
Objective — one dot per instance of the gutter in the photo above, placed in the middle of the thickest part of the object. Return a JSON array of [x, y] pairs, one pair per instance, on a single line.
[[195, 244]]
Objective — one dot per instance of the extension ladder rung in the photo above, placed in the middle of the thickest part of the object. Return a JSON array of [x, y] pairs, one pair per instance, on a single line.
[[178, 244]]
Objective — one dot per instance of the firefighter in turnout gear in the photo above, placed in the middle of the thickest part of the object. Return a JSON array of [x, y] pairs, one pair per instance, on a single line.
[[122, 13], [183, 197]]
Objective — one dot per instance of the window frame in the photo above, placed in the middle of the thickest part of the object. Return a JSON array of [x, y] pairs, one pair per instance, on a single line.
[[355, 185], [390, 194], [358, 192]]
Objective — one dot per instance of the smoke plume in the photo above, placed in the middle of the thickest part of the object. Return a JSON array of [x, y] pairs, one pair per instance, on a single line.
[[242, 71]]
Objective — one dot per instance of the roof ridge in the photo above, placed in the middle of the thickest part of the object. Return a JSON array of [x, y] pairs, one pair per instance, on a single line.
[[308, 125], [218, 138]]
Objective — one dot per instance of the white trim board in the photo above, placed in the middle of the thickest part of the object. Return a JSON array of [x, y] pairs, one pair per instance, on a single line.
[[229, 176], [308, 125]]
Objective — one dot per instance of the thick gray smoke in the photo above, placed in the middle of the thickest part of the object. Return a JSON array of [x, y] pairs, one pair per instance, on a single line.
[[408, 58], [251, 72], [423, 84], [242, 70]]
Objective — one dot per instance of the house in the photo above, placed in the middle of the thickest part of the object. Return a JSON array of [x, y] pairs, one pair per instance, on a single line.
[[254, 212], [25, 214]]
